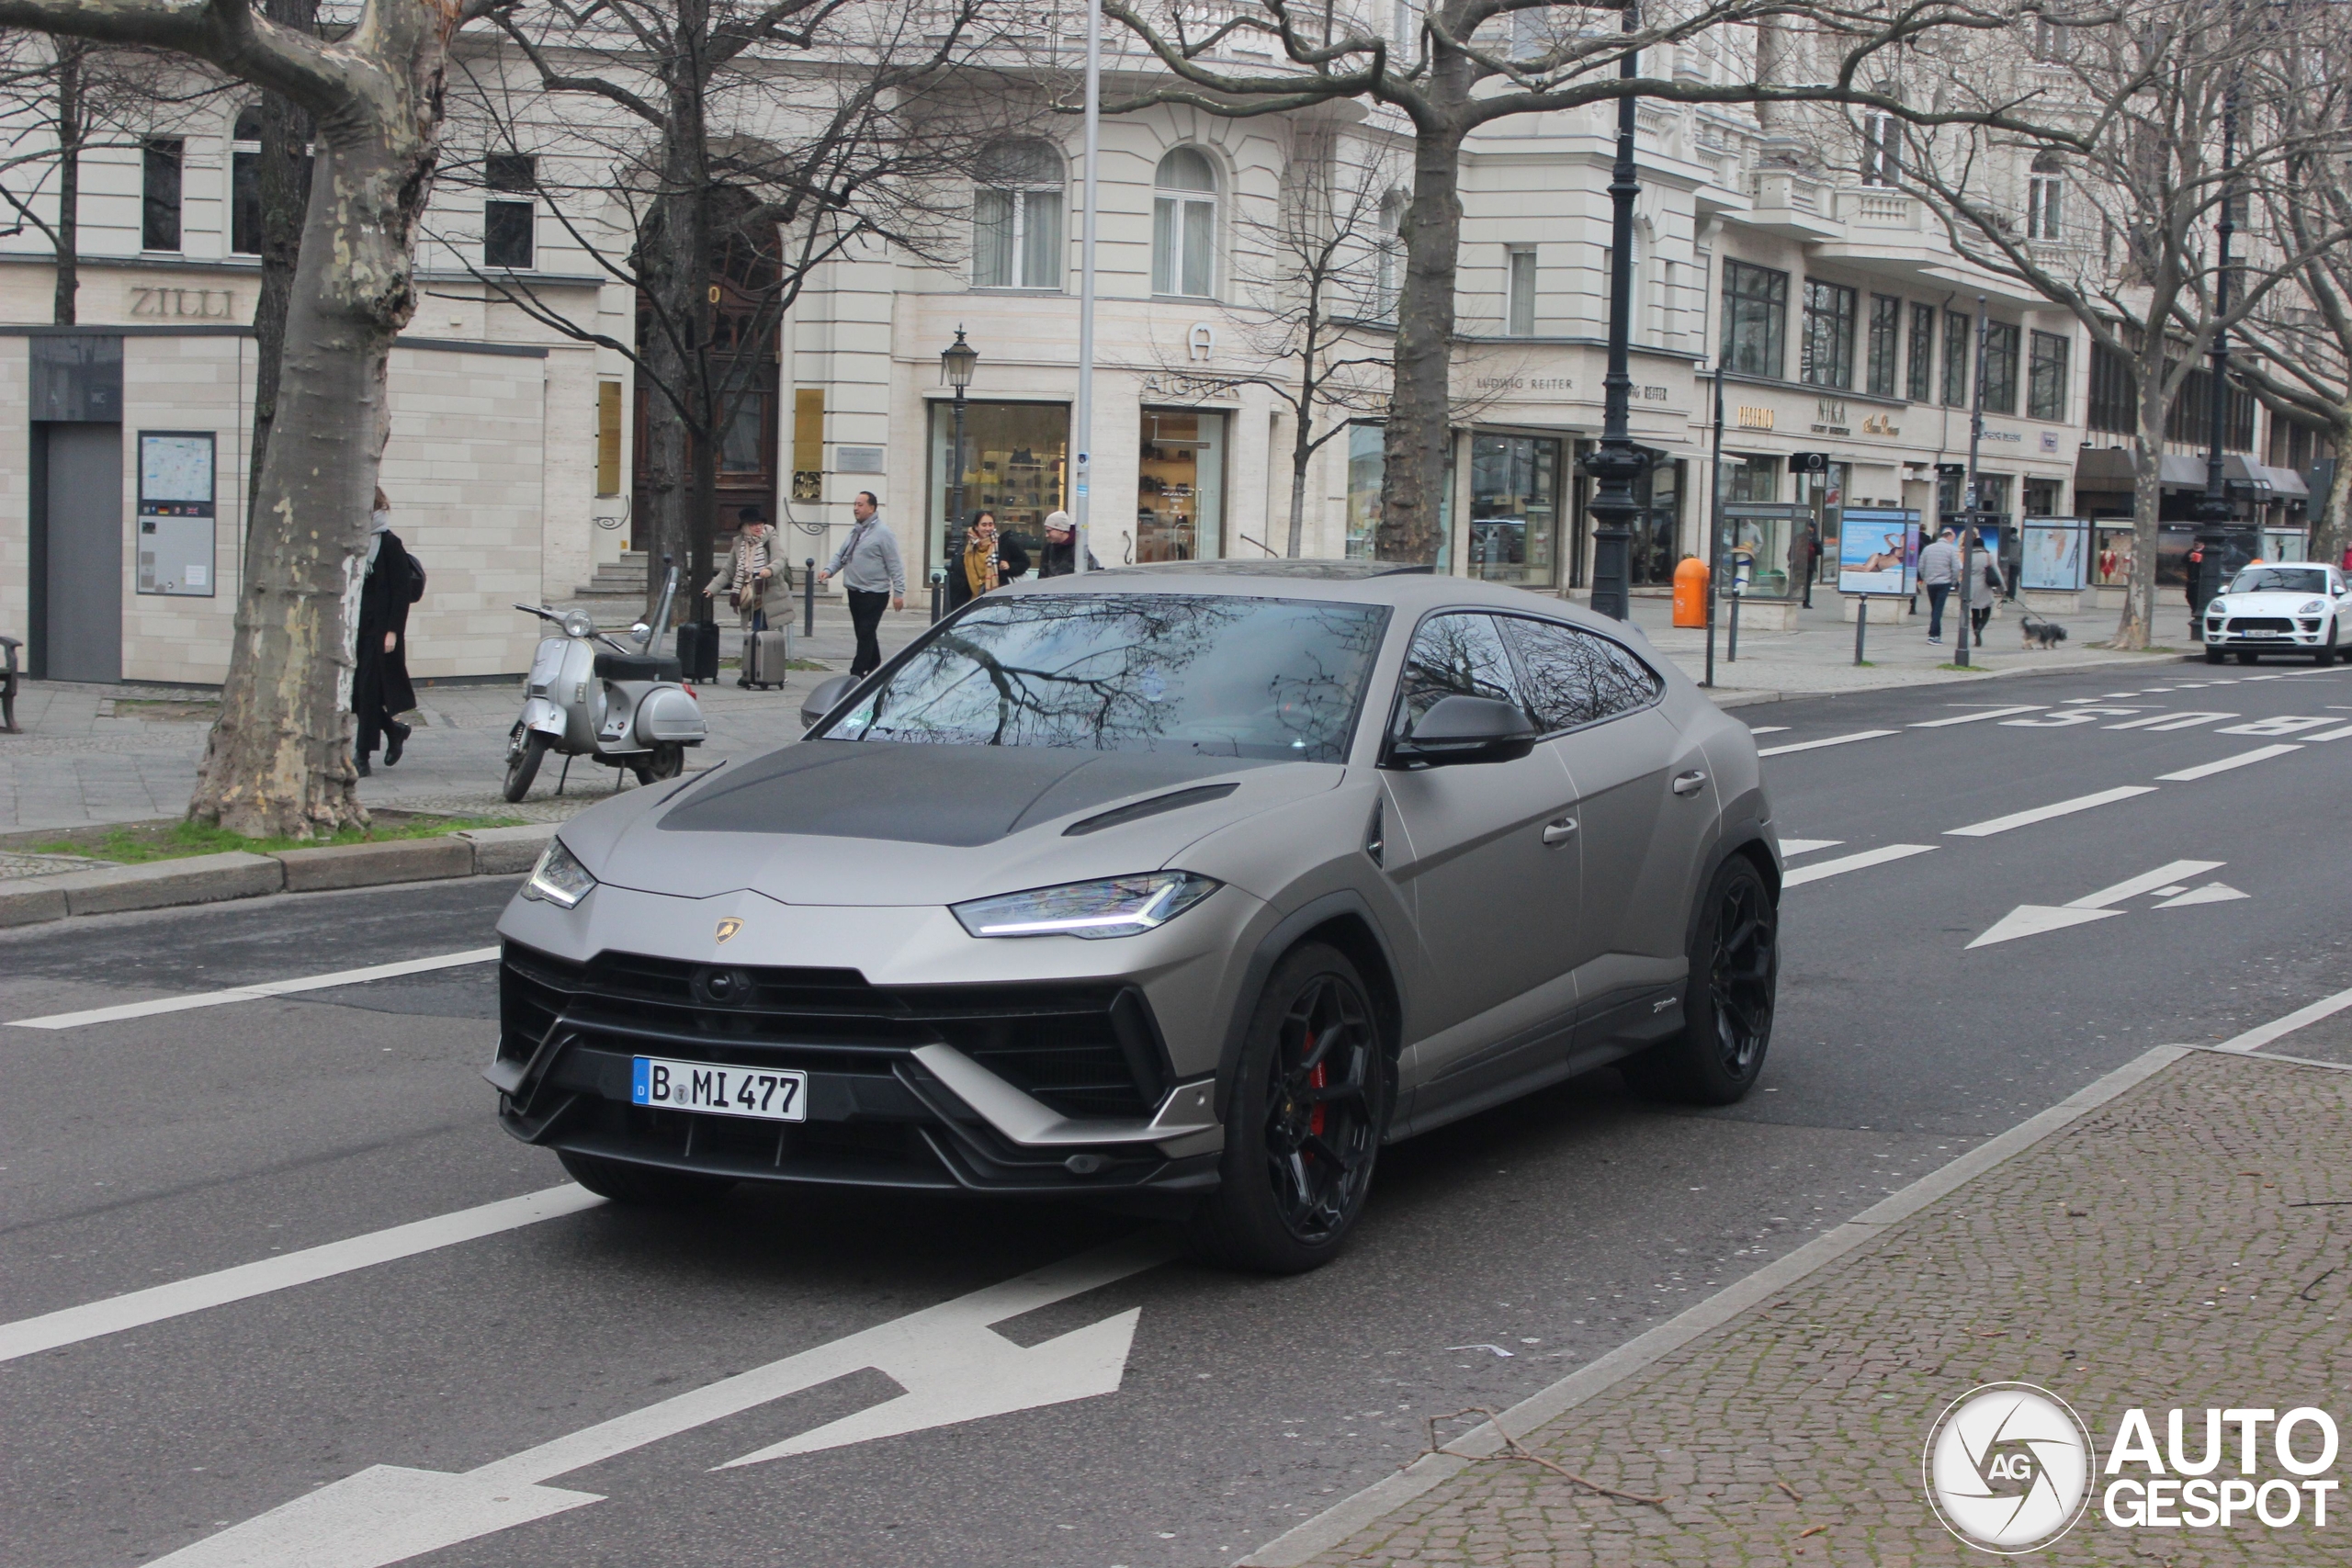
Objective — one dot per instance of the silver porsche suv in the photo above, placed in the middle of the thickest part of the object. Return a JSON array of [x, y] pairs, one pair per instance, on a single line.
[[1187, 886]]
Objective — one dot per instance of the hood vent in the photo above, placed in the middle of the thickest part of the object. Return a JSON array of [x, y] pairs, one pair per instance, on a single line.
[[1124, 814]]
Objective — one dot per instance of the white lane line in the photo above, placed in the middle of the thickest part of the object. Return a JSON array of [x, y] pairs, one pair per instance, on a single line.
[[2255, 1039], [1985, 829], [1972, 717], [1807, 846], [1766, 728], [1843, 864], [258, 990], [71, 1326], [2344, 733], [1833, 741], [2207, 770]]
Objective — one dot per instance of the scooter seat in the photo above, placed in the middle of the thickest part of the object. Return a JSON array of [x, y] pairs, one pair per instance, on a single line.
[[638, 667]]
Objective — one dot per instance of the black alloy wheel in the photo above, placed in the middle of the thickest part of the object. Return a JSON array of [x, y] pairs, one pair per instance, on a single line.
[[1728, 999], [1304, 1122]]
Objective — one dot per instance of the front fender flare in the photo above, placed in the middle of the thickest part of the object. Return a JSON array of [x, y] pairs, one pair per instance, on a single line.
[[1286, 934]]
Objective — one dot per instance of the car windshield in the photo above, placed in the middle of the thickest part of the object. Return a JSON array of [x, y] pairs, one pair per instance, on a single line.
[[1214, 675], [2280, 579]]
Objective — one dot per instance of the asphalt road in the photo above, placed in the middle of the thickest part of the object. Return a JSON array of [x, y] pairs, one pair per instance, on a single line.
[[170, 1147]]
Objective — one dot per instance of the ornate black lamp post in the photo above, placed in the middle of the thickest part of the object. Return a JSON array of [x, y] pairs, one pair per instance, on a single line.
[[1617, 465], [956, 362], [2214, 512]]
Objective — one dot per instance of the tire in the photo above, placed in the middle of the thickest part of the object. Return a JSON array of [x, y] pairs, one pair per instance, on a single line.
[[2212, 656], [2326, 654], [2248, 656], [1304, 1114], [639, 1184], [1728, 1001], [524, 753], [667, 761]]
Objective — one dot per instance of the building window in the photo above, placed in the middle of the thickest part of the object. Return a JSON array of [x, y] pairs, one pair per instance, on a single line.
[[507, 224], [2000, 367], [1754, 479], [1179, 486], [2115, 393], [1827, 352], [608, 438], [2045, 200], [1183, 224], [1922, 386], [1389, 253], [1756, 310], [1956, 358], [1017, 218], [1514, 508], [1886, 343], [1881, 142], [2044, 497], [244, 183], [2045, 392], [1519, 307], [159, 193]]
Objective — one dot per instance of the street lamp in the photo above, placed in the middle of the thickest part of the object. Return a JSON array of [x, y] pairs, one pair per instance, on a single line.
[[1616, 464], [956, 362]]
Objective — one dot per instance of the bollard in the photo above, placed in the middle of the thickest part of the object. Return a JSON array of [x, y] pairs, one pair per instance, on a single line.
[[1731, 653], [938, 592], [1861, 619], [808, 600]]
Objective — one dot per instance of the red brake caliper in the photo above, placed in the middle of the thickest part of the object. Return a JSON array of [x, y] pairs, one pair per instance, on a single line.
[[1318, 1077]]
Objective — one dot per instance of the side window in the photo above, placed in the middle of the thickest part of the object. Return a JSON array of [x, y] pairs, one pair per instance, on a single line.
[[1457, 655], [1574, 677]]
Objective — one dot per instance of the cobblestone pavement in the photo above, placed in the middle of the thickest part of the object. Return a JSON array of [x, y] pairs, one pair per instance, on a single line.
[[2184, 1245]]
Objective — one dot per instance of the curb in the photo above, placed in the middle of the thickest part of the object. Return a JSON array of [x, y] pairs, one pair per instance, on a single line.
[[1305, 1542], [207, 879], [1743, 696]]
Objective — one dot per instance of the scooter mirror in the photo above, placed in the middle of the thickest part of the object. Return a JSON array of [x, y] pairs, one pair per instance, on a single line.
[[824, 697]]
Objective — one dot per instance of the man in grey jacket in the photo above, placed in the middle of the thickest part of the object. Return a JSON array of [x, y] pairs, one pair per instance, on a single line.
[[1938, 573], [871, 575]]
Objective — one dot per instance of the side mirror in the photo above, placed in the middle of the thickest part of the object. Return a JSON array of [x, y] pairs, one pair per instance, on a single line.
[[824, 698], [1465, 729]]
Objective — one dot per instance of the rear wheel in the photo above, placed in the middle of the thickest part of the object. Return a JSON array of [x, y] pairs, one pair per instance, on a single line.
[[1303, 1119], [524, 753], [1726, 1002], [2247, 656], [666, 761], [625, 1183]]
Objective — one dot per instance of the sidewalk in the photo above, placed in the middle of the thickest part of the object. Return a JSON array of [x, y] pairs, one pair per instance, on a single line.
[[2181, 1245]]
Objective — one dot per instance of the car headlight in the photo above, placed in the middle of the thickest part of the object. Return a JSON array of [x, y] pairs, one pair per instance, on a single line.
[[2314, 608], [1116, 906], [558, 878], [2214, 607]]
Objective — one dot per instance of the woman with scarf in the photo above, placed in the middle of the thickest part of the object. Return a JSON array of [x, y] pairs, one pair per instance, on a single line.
[[379, 689], [990, 559]]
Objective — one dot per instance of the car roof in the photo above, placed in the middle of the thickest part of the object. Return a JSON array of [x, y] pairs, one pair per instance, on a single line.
[[1413, 590]]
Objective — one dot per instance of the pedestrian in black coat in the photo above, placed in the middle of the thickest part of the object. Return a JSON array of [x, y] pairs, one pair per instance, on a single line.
[[380, 691]]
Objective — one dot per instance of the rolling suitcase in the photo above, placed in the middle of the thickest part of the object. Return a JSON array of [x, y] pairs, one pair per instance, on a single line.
[[766, 656], [698, 650]]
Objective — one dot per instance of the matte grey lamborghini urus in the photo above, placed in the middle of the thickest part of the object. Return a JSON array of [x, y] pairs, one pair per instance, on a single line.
[[1192, 885]]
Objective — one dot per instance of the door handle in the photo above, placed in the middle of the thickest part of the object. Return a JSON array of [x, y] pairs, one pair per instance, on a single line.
[[1559, 832], [1690, 782]]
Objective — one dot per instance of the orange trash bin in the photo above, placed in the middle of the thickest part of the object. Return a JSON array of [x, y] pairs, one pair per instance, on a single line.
[[1691, 593]]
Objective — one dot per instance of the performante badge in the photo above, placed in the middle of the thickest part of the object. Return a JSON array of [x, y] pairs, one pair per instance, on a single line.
[[728, 927]]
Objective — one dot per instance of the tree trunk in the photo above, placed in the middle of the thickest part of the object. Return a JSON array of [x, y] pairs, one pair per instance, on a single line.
[[282, 181], [674, 272], [278, 758], [1302, 462], [2331, 531], [70, 131], [1413, 457], [2136, 628]]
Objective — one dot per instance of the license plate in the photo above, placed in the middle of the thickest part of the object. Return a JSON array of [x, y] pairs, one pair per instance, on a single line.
[[2264, 631], [764, 1094]]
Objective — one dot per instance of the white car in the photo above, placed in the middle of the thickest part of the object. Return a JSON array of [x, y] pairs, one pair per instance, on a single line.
[[2294, 607]]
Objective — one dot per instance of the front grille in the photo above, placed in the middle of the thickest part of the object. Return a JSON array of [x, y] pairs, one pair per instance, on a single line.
[[1084, 1049], [2261, 624]]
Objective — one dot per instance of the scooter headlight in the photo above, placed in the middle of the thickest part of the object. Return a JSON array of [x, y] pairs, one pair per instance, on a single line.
[[578, 623], [558, 878]]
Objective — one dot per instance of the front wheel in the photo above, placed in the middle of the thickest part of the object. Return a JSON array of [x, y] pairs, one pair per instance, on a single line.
[[1728, 1001], [647, 1184], [524, 753], [2248, 656], [666, 761], [2212, 656], [1304, 1119], [2326, 654]]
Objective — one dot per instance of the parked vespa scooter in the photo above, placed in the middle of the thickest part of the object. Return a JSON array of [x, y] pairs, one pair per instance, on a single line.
[[625, 708]]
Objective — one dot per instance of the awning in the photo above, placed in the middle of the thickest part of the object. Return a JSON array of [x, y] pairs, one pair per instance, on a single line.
[[2110, 469]]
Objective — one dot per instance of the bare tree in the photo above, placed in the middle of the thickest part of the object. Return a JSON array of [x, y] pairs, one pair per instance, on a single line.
[[278, 758], [1468, 64], [744, 144], [282, 195], [2128, 125]]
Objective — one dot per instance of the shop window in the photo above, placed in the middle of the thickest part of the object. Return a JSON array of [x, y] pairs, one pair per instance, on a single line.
[[1519, 310], [1922, 384], [1183, 224], [1367, 468], [1017, 218], [2045, 395], [160, 161], [1657, 531], [1515, 509], [1756, 310], [1827, 358], [2111, 562], [507, 223], [1886, 343], [244, 183], [1759, 553], [2000, 367], [1015, 464], [1753, 479], [2044, 497], [1180, 487], [1956, 357]]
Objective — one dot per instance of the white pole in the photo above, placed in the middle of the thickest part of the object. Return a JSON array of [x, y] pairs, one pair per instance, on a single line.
[[1083, 435]]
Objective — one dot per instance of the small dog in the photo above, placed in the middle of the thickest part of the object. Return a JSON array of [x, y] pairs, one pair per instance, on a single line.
[[2039, 633]]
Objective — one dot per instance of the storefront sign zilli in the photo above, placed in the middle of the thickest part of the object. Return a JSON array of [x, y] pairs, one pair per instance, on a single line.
[[190, 304]]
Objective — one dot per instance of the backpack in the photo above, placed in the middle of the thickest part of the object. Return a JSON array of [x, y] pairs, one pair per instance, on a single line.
[[416, 578]]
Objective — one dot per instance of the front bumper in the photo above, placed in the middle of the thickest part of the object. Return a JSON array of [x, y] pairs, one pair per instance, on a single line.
[[2275, 632], [1029, 1088]]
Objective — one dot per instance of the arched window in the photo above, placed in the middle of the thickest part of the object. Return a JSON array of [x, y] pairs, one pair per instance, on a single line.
[[1017, 218], [244, 183], [1183, 224], [2045, 199], [1390, 255]]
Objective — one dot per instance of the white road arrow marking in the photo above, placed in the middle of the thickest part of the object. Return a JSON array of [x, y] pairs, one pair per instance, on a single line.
[[2212, 892], [953, 1366], [2039, 919]]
